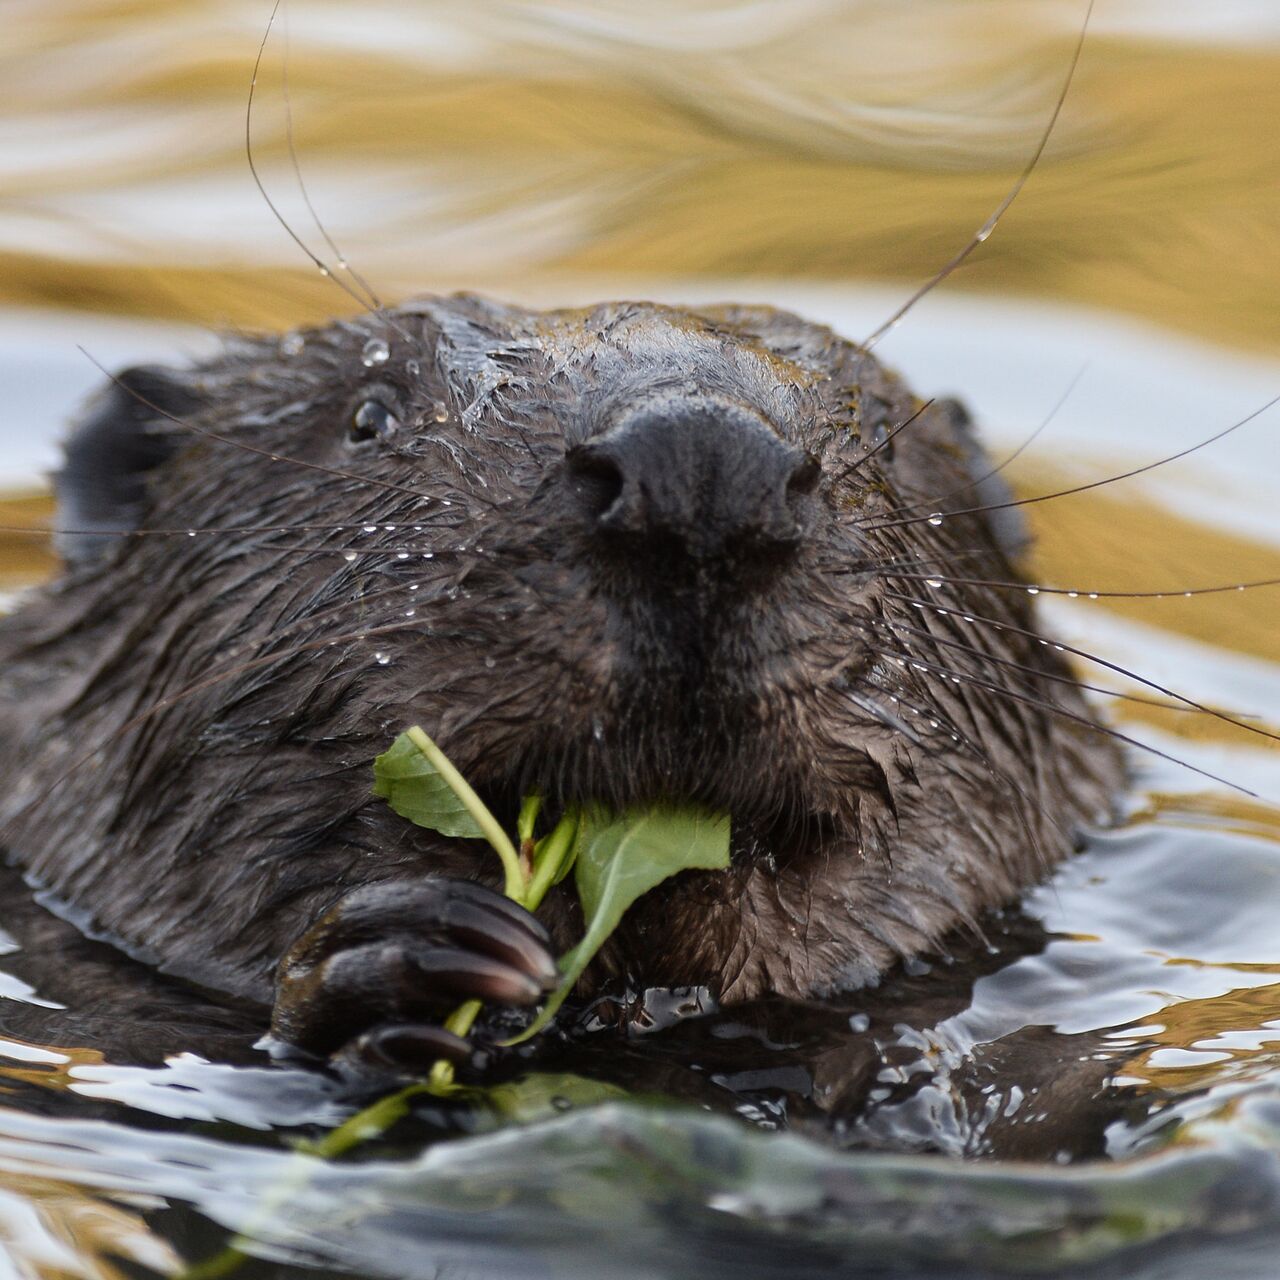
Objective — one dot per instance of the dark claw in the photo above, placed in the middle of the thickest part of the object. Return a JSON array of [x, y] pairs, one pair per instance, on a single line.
[[468, 976], [371, 978], [415, 1045], [477, 925]]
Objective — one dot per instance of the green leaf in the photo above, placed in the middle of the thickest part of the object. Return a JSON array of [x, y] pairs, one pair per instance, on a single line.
[[620, 858], [415, 789]]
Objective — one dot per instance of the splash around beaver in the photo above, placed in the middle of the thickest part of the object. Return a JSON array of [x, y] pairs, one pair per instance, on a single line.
[[615, 555]]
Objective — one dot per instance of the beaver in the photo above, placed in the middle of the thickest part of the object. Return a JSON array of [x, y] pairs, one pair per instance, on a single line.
[[614, 555]]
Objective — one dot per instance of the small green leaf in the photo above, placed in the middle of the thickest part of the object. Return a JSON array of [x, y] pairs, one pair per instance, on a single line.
[[415, 789], [621, 858]]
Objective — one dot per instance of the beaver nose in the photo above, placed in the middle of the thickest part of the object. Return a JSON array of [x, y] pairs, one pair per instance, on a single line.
[[707, 474]]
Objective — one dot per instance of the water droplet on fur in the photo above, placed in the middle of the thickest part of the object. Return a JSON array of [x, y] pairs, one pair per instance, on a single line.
[[490, 663], [408, 613], [428, 555], [390, 528], [412, 368], [934, 582], [936, 518], [402, 555], [440, 411], [381, 658], [292, 344], [859, 1022], [191, 533], [374, 352], [369, 528], [348, 556]]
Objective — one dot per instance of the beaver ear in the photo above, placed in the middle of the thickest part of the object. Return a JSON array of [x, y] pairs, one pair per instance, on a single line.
[[122, 435], [989, 487]]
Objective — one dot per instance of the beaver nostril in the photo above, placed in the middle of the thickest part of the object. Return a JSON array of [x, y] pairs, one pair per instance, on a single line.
[[804, 478], [596, 480], [697, 474]]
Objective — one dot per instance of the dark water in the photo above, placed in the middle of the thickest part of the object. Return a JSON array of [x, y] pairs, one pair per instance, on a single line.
[[1098, 1091]]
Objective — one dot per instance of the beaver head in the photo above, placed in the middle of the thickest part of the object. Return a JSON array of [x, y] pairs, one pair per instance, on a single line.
[[619, 554]]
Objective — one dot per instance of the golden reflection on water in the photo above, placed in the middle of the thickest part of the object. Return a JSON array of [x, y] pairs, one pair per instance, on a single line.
[[1204, 1042], [494, 144], [65, 1231], [509, 147]]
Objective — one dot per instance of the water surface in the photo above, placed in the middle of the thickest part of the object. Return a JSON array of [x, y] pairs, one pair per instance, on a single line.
[[1097, 1094]]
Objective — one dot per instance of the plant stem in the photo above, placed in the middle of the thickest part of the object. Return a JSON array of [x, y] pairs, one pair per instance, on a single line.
[[493, 832], [550, 859], [459, 1022]]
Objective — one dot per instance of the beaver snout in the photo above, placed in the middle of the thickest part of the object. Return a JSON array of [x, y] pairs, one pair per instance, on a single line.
[[697, 474]]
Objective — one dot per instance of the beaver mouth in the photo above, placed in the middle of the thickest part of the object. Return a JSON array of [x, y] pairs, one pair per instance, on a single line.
[[730, 745]]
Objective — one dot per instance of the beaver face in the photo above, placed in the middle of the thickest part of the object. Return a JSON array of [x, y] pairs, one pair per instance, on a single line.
[[634, 543], [621, 554]]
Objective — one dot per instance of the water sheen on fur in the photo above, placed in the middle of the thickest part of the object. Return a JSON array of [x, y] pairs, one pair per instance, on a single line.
[[187, 723]]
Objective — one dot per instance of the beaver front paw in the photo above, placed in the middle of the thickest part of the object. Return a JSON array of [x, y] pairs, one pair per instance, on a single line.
[[374, 977]]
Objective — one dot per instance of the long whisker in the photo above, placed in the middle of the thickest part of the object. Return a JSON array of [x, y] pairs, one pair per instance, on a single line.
[[339, 257], [251, 448], [319, 263], [50, 531], [1035, 589], [1189, 703], [1179, 703], [1052, 708], [884, 444], [1079, 488], [984, 231], [1006, 462], [209, 682]]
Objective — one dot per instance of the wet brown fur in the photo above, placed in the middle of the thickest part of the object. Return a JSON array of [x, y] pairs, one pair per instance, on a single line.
[[211, 833]]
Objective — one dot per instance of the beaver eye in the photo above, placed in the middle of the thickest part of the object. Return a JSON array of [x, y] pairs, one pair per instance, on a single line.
[[372, 421]]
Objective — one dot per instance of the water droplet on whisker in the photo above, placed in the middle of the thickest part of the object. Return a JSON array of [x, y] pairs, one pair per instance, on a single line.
[[935, 518], [374, 352]]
